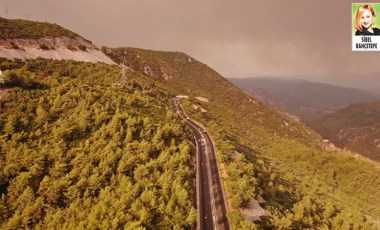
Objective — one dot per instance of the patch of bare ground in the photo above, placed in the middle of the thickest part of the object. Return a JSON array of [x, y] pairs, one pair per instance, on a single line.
[[253, 211]]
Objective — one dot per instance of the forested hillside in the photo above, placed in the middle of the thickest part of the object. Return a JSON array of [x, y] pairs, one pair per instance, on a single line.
[[25, 29], [306, 185], [356, 127], [80, 151]]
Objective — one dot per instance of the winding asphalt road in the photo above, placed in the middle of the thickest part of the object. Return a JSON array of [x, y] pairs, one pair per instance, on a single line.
[[210, 197]]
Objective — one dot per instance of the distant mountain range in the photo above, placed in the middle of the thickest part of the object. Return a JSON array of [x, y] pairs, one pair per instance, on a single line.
[[305, 99], [348, 117]]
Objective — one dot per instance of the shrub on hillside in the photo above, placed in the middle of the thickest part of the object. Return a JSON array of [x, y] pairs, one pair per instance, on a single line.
[[82, 47], [21, 78], [14, 45], [71, 47], [43, 46]]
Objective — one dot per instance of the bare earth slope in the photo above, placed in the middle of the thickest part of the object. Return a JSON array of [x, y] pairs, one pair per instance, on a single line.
[[21, 39]]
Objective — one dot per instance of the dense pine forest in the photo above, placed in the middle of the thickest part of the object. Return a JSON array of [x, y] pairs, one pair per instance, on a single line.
[[80, 151]]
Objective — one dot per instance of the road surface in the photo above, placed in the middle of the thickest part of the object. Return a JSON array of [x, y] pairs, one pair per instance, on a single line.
[[211, 202]]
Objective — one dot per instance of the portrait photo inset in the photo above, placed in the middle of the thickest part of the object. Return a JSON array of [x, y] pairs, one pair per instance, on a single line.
[[365, 20]]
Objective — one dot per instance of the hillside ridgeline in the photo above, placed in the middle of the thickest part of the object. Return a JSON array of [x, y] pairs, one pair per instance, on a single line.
[[22, 39], [304, 99]]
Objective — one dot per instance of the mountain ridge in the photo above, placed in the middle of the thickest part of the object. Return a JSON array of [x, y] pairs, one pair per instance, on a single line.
[[23, 39], [305, 99], [26, 29]]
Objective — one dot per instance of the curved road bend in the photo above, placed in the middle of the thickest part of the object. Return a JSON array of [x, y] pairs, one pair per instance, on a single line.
[[211, 203]]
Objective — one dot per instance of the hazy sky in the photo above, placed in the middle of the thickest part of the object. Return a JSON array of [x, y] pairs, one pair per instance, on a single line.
[[307, 39]]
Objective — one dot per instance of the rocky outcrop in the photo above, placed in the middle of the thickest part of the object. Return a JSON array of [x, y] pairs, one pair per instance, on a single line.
[[202, 99], [58, 48]]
